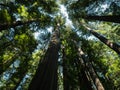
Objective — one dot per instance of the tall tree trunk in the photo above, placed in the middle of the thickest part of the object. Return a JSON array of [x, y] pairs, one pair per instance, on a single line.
[[90, 69], [112, 45], [115, 19], [83, 77], [65, 79], [46, 74], [85, 82]]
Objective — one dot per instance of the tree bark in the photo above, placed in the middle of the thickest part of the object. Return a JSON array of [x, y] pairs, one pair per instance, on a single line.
[[16, 23], [65, 79], [115, 19], [83, 76], [112, 45], [90, 69], [85, 83], [46, 74]]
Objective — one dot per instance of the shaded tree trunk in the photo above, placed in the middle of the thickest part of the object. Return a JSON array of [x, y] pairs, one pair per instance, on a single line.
[[83, 77], [15, 23], [115, 19], [85, 83], [4, 26], [112, 45], [46, 74], [65, 79], [91, 71]]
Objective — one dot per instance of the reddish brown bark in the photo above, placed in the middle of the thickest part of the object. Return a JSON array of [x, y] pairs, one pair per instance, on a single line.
[[87, 65], [106, 41], [84, 77], [46, 74], [112, 45]]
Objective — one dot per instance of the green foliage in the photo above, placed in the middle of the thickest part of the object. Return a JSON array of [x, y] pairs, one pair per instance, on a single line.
[[104, 60], [69, 41], [5, 16], [22, 10], [18, 43], [20, 56], [109, 30]]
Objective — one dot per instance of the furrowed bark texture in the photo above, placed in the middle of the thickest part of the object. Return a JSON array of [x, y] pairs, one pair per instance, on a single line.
[[110, 44], [88, 66], [46, 74]]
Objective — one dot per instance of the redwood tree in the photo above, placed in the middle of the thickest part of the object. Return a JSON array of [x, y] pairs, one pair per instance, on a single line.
[[46, 74]]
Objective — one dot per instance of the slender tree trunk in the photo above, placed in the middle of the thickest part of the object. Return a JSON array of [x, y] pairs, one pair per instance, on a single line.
[[112, 45], [16, 23], [5, 65], [21, 74], [83, 73], [90, 69], [46, 74], [18, 76], [65, 79], [85, 83], [83, 77], [115, 19]]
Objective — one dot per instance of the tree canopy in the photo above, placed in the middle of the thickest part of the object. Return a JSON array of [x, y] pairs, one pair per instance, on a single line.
[[59, 45]]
